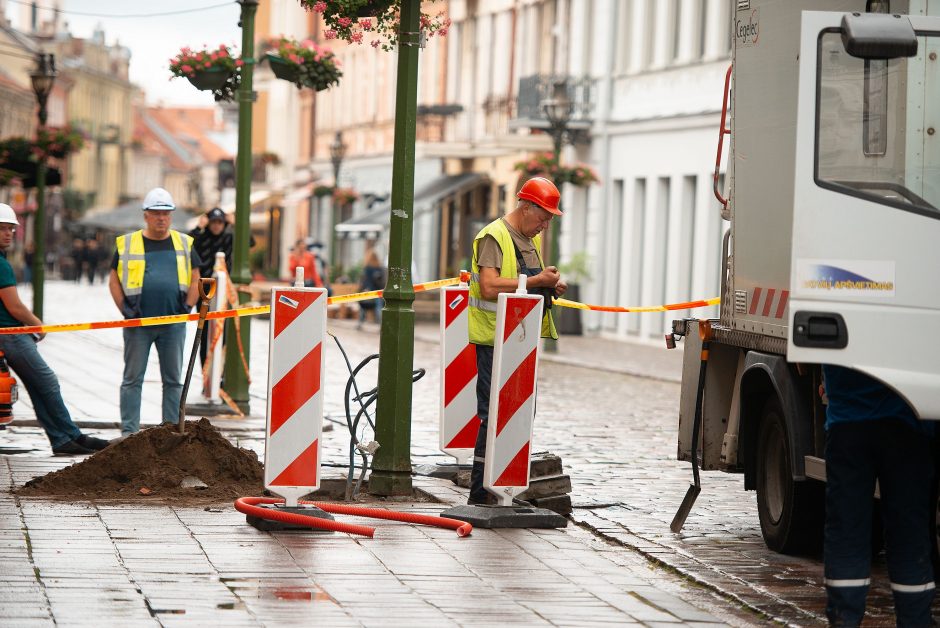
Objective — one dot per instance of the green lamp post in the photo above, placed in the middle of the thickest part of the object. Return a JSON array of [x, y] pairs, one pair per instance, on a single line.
[[42, 78]]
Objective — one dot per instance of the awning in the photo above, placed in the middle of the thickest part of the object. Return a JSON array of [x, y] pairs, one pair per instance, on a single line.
[[128, 217], [371, 225]]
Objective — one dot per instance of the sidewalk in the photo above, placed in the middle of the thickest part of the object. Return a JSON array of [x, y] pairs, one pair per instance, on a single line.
[[80, 563]]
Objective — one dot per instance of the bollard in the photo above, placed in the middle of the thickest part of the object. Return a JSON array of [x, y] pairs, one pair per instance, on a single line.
[[295, 391], [512, 411], [220, 303], [459, 422]]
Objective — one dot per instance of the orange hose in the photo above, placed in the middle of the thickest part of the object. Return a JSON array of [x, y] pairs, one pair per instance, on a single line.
[[247, 506]]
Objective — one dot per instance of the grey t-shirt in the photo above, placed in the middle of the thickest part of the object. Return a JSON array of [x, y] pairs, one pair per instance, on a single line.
[[490, 254]]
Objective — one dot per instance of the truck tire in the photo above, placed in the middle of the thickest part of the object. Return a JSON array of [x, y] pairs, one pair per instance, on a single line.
[[791, 513]]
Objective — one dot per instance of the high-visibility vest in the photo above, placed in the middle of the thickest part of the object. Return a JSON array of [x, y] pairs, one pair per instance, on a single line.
[[132, 261], [483, 311]]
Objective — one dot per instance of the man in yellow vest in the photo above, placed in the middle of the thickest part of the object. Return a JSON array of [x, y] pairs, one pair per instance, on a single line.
[[155, 272], [504, 249]]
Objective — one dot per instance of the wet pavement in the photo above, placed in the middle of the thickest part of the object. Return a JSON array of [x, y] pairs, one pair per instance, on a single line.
[[607, 408]]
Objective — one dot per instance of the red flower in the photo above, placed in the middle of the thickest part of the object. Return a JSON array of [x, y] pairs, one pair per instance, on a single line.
[[319, 7], [356, 37]]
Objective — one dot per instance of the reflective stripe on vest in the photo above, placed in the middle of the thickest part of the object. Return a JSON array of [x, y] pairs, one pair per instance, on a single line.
[[913, 588], [858, 582], [132, 261], [482, 312]]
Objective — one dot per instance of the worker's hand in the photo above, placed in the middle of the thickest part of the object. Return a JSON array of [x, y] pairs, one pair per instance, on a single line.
[[548, 277], [38, 336], [561, 287]]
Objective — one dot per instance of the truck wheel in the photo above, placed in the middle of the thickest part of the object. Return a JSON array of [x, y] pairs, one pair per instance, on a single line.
[[791, 513]]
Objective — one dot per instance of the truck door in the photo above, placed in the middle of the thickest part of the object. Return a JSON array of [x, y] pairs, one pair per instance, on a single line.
[[865, 269]]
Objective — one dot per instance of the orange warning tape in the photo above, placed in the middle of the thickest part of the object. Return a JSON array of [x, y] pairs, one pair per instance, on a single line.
[[687, 305], [345, 298]]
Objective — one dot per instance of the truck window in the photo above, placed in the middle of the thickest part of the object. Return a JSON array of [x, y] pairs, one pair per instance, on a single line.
[[875, 135]]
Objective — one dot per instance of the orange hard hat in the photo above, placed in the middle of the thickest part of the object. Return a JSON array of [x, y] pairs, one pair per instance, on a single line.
[[543, 193]]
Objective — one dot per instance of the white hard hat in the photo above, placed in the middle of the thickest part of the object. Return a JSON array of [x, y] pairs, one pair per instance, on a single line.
[[160, 199], [7, 214]]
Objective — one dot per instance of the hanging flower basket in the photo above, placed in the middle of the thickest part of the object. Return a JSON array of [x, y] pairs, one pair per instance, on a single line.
[[284, 70], [544, 165], [209, 80], [215, 70], [305, 64], [377, 21]]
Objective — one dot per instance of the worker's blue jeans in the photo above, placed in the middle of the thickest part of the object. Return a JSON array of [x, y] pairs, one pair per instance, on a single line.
[[169, 340], [484, 376], [900, 457], [42, 386]]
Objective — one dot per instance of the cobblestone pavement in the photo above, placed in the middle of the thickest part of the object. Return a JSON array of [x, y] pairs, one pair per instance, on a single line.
[[611, 418]]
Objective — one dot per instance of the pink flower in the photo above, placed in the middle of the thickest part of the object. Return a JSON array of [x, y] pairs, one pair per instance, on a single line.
[[296, 59], [208, 65], [365, 23], [308, 44], [329, 33], [187, 68], [374, 43], [239, 63], [442, 32], [356, 37], [345, 22], [223, 52], [214, 56], [319, 7]]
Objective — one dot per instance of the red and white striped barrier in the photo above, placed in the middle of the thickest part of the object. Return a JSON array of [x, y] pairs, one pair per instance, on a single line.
[[295, 392], [458, 410], [512, 396]]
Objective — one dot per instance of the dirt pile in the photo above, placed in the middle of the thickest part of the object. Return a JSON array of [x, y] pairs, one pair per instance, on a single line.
[[151, 465]]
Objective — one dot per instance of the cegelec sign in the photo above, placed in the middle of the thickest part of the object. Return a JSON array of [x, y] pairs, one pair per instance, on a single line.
[[747, 28]]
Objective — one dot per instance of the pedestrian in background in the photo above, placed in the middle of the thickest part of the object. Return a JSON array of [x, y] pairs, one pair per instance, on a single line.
[[23, 357], [373, 278], [78, 259], [155, 272], [323, 265], [29, 254], [873, 435], [503, 250], [300, 256], [94, 256]]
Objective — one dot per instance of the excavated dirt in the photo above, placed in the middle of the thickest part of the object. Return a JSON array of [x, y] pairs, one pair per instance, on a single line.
[[151, 464]]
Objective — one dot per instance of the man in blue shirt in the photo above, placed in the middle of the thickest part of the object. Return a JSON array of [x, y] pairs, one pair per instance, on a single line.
[[872, 434], [155, 272], [23, 357]]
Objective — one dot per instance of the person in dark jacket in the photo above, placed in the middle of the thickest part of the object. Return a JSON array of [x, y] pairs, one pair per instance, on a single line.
[[213, 235], [373, 278]]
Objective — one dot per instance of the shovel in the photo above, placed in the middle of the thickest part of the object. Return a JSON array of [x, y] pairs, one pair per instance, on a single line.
[[206, 292], [705, 332]]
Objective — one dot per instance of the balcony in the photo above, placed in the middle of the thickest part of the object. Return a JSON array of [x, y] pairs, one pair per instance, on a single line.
[[534, 90]]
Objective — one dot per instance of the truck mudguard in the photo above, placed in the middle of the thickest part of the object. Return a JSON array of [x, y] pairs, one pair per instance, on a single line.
[[767, 374]]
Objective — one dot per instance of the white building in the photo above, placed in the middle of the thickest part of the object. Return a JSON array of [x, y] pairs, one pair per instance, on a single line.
[[652, 228]]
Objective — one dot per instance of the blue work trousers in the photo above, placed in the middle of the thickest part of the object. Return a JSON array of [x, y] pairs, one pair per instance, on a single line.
[[900, 457], [169, 340], [42, 386], [484, 378]]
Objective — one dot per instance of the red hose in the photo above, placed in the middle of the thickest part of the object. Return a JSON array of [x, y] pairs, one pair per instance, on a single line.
[[247, 505]]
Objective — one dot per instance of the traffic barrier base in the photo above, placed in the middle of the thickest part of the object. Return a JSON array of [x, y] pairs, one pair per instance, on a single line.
[[273, 525], [480, 516]]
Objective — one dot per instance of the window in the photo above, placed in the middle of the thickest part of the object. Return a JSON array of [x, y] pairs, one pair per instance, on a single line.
[[873, 121]]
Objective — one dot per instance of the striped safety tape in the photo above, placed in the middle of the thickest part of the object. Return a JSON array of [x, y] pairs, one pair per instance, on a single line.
[[345, 298]]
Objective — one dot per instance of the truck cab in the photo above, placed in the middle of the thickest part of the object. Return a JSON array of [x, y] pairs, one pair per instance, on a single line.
[[834, 204]]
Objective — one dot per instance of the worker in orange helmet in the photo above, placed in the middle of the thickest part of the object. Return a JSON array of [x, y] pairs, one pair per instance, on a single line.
[[504, 249]]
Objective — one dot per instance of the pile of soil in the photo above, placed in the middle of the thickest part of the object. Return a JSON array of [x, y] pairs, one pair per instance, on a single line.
[[151, 464]]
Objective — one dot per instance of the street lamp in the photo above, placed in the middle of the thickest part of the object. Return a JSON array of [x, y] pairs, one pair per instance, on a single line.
[[42, 79], [557, 110], [337, 153]]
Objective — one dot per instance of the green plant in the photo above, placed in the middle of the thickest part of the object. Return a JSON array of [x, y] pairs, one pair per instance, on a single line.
[[544, 164], [58, 142], [577, 269], [222, 59], [256, 259], [268, 157], [313, 66], [323, 190], [353, 20]]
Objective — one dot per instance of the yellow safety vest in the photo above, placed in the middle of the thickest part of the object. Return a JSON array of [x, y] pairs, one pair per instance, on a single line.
[[132, 261], [483, 311]]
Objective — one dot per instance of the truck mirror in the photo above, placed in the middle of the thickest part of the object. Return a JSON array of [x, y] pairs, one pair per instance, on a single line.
[[878, 36]]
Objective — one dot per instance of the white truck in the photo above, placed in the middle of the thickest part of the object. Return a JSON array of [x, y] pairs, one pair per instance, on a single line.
[[833, 253]]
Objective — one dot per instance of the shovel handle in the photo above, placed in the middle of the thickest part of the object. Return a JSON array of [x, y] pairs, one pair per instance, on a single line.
[[206, 289]]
